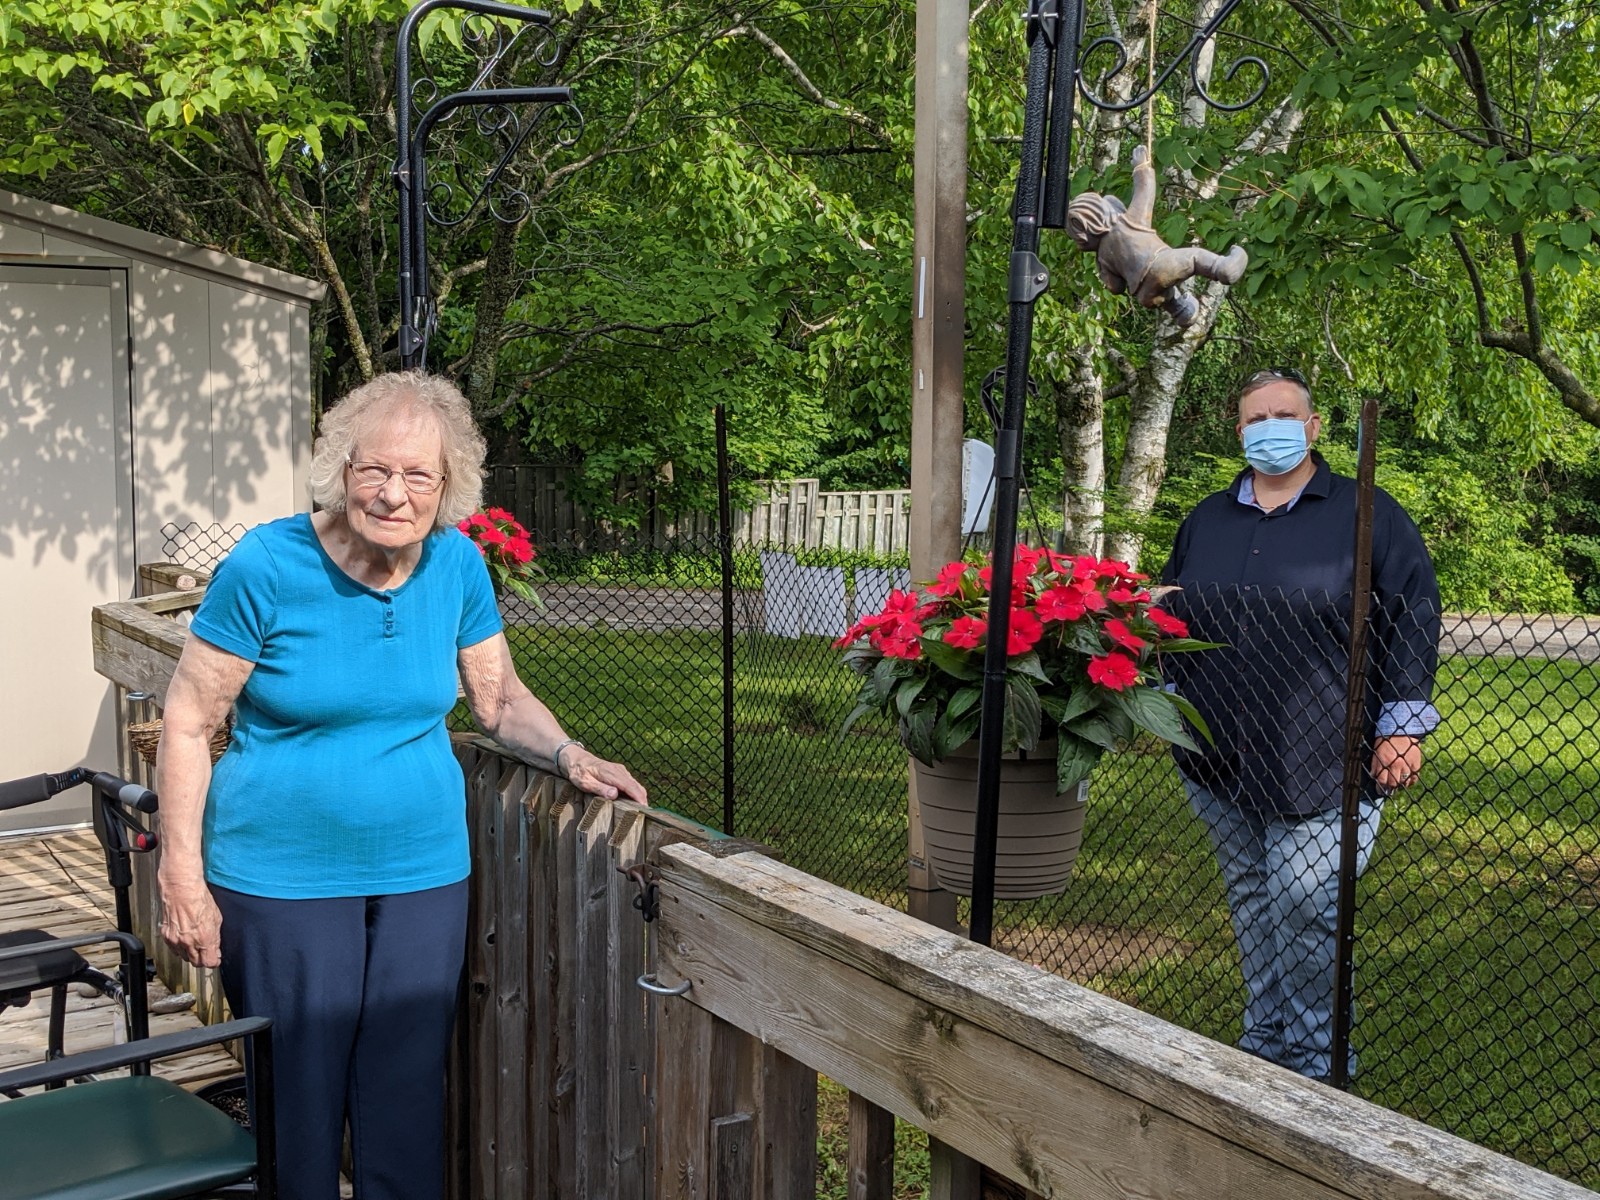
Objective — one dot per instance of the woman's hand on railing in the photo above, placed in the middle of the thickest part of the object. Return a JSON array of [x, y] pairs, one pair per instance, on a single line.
[[600, 777]]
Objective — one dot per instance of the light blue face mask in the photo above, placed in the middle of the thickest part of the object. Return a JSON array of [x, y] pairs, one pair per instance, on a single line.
[[1277, 445]]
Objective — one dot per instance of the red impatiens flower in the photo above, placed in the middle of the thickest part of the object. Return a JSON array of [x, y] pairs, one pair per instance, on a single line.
[[1024, 633], [899, 647], [1167, 623], [498, 514], [906, 630], [1026, 561], [1114, 671], [951, 576], [492, 537], [1019, 585], [1123, 594], [1093, 599], [1061, 604], [966, 632], [1119, 633], [519, 550]]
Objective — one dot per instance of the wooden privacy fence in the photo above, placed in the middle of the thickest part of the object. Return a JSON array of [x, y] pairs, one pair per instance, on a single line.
[[796, 513]]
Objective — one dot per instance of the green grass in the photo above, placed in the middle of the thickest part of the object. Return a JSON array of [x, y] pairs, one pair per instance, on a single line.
[[1478, 975]]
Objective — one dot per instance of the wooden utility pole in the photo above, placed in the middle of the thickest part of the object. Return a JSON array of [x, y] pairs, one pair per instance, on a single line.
[[938, 315]]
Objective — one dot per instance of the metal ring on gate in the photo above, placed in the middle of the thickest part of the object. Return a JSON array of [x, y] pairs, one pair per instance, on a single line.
[[649, 984]]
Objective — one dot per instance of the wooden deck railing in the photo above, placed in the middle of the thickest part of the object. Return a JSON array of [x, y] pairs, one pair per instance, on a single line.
[[569, 1082]]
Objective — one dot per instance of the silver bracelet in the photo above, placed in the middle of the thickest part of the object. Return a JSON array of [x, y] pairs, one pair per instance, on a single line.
[[556, 757]]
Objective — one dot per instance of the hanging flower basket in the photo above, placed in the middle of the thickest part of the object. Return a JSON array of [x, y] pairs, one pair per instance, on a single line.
[[1040, 828]]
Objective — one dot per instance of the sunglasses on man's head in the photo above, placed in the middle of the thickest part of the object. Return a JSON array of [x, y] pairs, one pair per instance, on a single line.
[[1271, 373]]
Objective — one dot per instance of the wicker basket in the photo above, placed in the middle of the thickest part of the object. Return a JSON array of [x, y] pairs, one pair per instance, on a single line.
[[145, 736]]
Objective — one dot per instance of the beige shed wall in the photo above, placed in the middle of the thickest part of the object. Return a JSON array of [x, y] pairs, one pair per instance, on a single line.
[[221, 414], [215, 404]]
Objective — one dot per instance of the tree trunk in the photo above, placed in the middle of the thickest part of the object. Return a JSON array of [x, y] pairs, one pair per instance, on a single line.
[[1080, 411], [1150, 405], [499, 286]]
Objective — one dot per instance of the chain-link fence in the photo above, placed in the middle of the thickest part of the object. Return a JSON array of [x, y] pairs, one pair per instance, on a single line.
[[631, 650], [1477, 951], [199, 547], [1477, 935]]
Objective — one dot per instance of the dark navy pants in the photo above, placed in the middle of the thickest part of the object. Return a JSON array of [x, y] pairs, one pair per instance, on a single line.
[[362, 992]]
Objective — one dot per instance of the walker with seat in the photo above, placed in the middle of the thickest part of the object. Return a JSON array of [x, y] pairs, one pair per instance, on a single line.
[[134, 1136]]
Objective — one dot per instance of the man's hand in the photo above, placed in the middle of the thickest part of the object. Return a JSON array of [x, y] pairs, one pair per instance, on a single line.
[[1397, 762]]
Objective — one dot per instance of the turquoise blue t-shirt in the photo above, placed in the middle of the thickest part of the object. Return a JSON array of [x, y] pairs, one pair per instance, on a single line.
[[340, 779]]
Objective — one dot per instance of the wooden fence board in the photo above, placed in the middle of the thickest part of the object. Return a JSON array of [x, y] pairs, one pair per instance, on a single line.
[[869, 1173], [628, 1046], [482, 986], [544, 939], [512, 971], [563, 848], [595, 963]]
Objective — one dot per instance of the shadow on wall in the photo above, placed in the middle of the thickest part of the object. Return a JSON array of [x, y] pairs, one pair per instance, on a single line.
[[214, 404], [59, 432], [206, 405]]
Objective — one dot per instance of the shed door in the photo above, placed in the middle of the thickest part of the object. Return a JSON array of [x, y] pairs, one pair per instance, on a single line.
[[66, 536]]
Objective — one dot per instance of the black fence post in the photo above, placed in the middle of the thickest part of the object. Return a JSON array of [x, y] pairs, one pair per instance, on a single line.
[[725, 552]]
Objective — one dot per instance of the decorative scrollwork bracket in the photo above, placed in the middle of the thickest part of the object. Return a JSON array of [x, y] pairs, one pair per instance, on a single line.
[[1190, 54], [500, 119]]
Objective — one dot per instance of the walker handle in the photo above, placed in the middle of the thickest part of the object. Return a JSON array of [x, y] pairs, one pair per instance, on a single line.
[[19, 793]]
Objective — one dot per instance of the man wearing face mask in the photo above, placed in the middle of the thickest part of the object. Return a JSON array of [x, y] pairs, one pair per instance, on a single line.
[[1266, 568]]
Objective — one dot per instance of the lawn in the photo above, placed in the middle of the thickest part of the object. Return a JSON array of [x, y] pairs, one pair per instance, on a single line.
[[1478, 971]]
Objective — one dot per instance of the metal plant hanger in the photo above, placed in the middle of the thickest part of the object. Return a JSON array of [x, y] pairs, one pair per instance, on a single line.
[[1054, 82], [479, 132]]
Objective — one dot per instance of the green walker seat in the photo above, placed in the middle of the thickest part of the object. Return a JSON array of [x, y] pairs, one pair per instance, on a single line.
[[134, 1137]]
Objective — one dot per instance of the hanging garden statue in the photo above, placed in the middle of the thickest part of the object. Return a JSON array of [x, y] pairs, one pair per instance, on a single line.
[[1130, 254]]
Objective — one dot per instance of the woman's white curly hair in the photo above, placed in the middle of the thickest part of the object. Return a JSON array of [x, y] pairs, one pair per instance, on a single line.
[[383, 398]]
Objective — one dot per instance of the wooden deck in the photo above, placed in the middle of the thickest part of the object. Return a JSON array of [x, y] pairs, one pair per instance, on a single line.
[[57, 882]]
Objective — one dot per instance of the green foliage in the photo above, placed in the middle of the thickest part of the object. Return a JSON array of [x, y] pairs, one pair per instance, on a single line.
[[178, 71], [1479, 541]]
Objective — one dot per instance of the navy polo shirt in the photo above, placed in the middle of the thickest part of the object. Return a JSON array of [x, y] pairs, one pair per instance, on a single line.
[[1275, 588]]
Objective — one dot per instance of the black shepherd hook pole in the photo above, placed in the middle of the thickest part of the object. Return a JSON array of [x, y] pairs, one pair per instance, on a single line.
[[1043, 182], [1355, 718], [1054, 33], [498, 121]]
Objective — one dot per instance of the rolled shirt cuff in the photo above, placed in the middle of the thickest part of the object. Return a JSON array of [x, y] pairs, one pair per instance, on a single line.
[[1409, 718]]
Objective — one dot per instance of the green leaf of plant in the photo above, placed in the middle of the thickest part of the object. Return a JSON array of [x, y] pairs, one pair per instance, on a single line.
[[916, 734], [964, 700], [1187, 645], [906, 694], [1081, 701], [1193, 715], [1151, 710], [1029, 664], [1075, 758], [1474, 196], [951, 732], [951, 661], [1024, 716], [1094, 728]]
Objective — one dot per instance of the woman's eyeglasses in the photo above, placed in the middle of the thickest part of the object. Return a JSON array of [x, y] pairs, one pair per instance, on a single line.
[[375, 475]]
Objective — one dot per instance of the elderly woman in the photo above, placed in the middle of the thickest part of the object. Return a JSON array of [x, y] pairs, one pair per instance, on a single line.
[[323, 863]]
